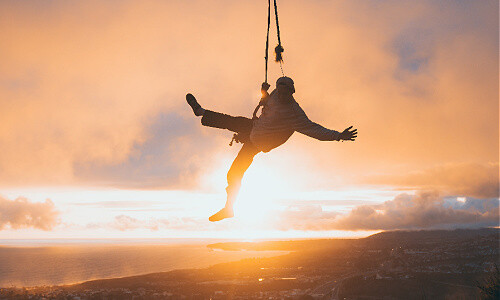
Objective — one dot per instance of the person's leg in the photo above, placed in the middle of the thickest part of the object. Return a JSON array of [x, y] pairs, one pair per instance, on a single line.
[[218, 120], [234, 176], [238, 168], [195, 106], [223, 121]]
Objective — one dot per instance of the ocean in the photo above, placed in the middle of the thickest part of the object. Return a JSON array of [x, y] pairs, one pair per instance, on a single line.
[[31, 263]]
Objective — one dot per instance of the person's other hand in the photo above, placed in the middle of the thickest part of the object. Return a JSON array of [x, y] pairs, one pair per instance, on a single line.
[[265, 87], [349, 134]]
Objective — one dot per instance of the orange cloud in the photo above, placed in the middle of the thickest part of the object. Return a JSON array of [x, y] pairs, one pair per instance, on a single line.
[[306, 217], [473, 180], [82, 84], [129, 223], [21, 213], [423, 210]]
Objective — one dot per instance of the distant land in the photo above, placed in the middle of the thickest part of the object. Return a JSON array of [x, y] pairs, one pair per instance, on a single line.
[[399, 237], [427, 264]]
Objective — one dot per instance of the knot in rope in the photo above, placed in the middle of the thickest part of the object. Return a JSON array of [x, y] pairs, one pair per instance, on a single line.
[[278, 50]]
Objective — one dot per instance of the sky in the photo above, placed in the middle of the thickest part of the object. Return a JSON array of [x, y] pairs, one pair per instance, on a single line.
[[96, 139]]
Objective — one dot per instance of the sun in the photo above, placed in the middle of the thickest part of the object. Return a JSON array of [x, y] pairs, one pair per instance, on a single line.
[[266, 188], [263, 190]]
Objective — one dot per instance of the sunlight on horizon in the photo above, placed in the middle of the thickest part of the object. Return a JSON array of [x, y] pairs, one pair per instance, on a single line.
[[92, 213]]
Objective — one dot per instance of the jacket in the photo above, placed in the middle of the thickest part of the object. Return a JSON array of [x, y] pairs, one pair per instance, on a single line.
[[280, 118]]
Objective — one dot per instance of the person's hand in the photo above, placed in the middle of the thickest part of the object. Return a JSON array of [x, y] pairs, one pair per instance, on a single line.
[[265, 87], [348, 134]]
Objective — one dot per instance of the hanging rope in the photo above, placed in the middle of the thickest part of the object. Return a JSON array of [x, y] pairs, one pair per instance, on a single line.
[[279, 58], [267, 37], [279, 48]]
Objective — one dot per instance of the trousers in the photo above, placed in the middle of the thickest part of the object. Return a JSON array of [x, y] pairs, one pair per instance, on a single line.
[[242, 126]]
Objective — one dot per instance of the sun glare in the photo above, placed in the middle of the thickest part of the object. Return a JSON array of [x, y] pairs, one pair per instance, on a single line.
[[262, 189]]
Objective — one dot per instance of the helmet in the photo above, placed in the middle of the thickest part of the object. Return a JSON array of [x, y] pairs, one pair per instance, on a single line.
[[287, 81]]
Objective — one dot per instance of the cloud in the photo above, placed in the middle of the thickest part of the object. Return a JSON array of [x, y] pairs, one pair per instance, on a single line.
[[167, 158], [90, 92], [422, 210], [21, 213], [472, 179], [419, 79], [129, 223], [116, 204], [305, 217], [402, 73], [123, 223]]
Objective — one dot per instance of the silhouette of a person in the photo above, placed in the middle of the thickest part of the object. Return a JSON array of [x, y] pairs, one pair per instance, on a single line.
[[281, 117]]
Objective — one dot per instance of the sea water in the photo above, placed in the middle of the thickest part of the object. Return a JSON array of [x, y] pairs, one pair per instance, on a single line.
[[27, 263]]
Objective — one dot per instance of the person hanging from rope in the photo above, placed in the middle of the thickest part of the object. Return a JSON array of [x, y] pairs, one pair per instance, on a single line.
[[281, 116]]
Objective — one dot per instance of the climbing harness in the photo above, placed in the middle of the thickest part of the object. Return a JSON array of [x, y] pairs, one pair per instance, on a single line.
[[278, 50], [236, 138]]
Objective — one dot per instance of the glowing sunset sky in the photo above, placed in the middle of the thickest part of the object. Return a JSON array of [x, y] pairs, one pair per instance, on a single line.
[[96, 139]]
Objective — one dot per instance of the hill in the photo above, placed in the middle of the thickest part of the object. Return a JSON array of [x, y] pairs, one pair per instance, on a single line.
[[431, 264]]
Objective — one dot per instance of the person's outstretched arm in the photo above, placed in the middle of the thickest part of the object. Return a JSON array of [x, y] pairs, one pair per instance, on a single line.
[[305, 126]]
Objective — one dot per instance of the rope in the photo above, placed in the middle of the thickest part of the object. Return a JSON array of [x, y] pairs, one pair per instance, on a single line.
[[256, 110], [279, 49], [279, 58], [267, 38]]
